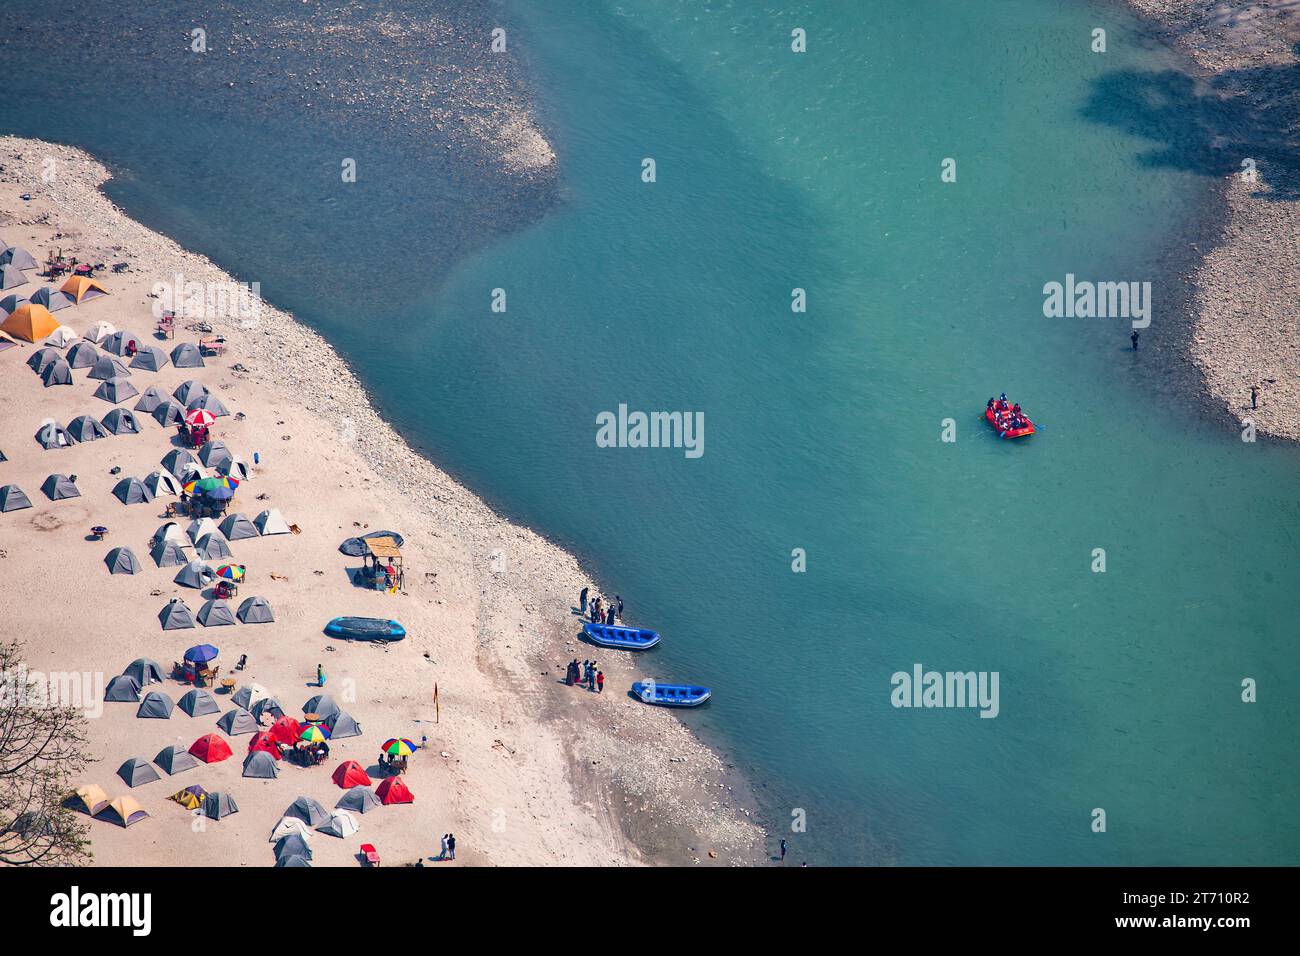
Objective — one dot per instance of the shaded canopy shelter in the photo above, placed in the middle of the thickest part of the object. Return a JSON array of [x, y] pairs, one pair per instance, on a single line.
[[150, 358], [356, 547], [131, 491], [122, 690], [308, 811], [212, 547], [161, 483], [196, 574], [394, 790], [255, 610], [191, 798], [90, 798], [168, 554], [189, 390], [199, 703], [116, 390], [175, 759], [83, 355], [125, 810], [18, 256], [218, 805], [236, 527], [84, 428], [11, 277], [342, 725], [267, 705], [248, 695], [58, 487], [342, 823], [210, 749], [52, 299], [361, 799], [383, 554], [13, 498], [187, 355], [238, 722], [122, 561], [57, 373], [144, 671], [120, 342], [176, 458], [271, 522], [175, 616], [121, 422], [54, 435], [46, 355], [155, 704], [350, 774], [169, 413], [261, 764], [214, 454], [30, 322], [82, 288], [136, 771], [321, 704], [210, 403], [216, 613], [62, 337], [108, 367], [150, 399]]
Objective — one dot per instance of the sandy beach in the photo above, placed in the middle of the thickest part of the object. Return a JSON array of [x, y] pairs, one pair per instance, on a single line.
[[522, 768]]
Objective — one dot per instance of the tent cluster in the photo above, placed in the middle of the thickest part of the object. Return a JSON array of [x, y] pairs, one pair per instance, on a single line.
[[31, 319], [176, 614]]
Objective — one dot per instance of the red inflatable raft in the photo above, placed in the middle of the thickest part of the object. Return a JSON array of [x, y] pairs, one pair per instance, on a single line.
[[991, 418]]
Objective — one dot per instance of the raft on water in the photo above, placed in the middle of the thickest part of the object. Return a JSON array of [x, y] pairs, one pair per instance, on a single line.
[[1028, 428], [671, 695], [626, 638]]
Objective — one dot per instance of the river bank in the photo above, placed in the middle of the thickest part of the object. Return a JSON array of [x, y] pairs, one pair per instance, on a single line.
[[523, 768]]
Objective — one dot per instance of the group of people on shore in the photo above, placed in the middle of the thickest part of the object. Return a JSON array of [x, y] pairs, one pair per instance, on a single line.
[[588, 673], [1005, 415], [596, 611]]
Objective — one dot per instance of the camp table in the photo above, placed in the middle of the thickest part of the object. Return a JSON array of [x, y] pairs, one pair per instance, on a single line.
[[312, 718], [228, 684]]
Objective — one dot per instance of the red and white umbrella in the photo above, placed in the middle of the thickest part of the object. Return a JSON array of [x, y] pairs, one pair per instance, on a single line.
[[200, 417]]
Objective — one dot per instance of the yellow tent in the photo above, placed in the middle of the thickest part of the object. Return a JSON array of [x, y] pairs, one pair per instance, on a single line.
[[30, 321], [92, 797], [81, 287], [187, 799], [128, 810]]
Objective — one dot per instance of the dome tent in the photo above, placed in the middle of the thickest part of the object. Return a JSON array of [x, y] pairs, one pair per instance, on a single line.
[[155, 705], [236, 527], [199, 703], [137, 771], [360, 799], [83, 428], [122, 690], [122, 561], [13, 498], [175, 759], [59, 487], [261, 765], [175, 616], [255, 610]]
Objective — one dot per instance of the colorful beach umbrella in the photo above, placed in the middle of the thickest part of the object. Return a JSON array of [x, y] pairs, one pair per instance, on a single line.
[[399, 747], [201, 653], [231, 572], [199, 417], [314, 734]]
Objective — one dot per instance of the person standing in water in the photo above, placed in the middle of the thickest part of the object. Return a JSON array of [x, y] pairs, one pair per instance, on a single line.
[[783, 848], [1134, 339], [582, 601]]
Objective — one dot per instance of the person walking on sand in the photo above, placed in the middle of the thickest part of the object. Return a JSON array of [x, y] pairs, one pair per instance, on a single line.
[[1254, 401], [582, 601], [443, 854], [1134, 339], [600, 682], [451, 846], [618, 598], [320, 676], [591, 677]]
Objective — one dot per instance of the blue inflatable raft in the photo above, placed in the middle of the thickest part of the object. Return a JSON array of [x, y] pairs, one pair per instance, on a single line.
[[626, 638], [671, 695], [365, 629]]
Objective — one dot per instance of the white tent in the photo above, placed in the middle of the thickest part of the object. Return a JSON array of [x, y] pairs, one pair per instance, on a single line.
[[161, 483], [100, 330], [342, 823], [202, 526], [288, 826], [271, 522], [171, 531], [62, 337]]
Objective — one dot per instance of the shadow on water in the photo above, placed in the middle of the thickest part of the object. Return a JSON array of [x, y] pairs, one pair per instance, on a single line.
[[1209, 127]]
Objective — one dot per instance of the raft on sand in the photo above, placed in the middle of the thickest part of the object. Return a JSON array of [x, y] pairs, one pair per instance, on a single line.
[[365, 629], [625, 638]]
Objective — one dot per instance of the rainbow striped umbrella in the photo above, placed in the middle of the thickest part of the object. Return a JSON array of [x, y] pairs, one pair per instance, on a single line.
[[314, 734], [399, 747], [231, 572]]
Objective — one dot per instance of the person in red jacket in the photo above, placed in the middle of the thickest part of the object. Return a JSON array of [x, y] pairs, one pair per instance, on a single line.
[[600, 682]]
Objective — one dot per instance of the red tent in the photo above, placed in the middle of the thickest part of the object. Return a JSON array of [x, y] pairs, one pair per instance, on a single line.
[[210, 748], [393, 790], [286, 730], [264, 742], [350, 774]]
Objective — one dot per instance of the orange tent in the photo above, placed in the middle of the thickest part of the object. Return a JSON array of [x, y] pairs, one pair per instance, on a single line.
[[81, 287], [393, 790], [30, 321]]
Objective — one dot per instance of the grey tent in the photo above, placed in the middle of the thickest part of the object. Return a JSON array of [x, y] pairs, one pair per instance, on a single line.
[[116, 390], [144, 671], [308, 811], [342, 725], [10, 303], [237, 722], [13, 498], [236, 527], [267, 706], [150, 399], [168, 554], [155, 704], [187, 355], [176, 459], [161, 483], [291, 860], [54, 435], [52, 298], [217, 805], [186, 392], [47, 355], [196, 574], [193, 472], [117, 342], [150, 358], [255, 610], [216, 613], [83, 355], [295, 844], [122, 561], [360, 799], [321, 704], [121, 422], [137, 771], [131, 491], [214, 454], [261, 764], [58, 487], [198, 703], [209, 402], [17, 256], [247, 694], [11, 277], [175, 759], [212, 547], [2, 456], [169, 413], [175, 616], [85, 428], [107, 367], [57, 373], [122, 690]]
